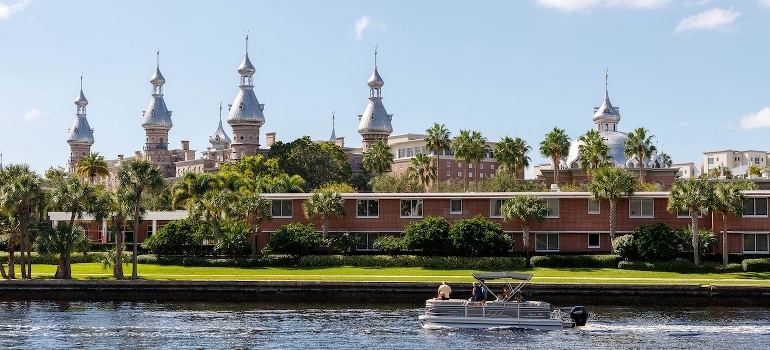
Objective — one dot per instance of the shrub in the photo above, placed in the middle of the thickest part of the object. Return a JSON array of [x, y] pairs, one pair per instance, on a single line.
[[756, 265], [344, 243], [388, 244], [588, 261], [624, 247], [431, 262], [679, 266], [479, 237], [430, 234], [657, 242], [178, 237], [295, 239]]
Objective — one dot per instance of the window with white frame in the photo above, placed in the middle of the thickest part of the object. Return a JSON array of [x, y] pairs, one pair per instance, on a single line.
[[448, 164], [455, 206], [682, 214], [411, 208], [547, 242], [481, 166], [280, 208], [594, 240], [640, 208], [459, 174], [494, 207], [368, 208], [459, 164], [594, 207], [755, 243], [366, 240], [448, 173], [755, 206], [553, 207], [470, 174]]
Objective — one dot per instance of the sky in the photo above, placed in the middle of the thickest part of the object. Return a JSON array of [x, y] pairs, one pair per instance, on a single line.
[[694, 73]]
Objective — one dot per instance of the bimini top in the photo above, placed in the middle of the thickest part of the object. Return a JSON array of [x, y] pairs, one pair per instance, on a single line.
[[502, 275]]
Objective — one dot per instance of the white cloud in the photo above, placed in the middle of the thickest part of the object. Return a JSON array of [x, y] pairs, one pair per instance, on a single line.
[[33, 114], [764, 3], [7, 10], [366, 23], [581, 5], [713, 19], [757, 120]]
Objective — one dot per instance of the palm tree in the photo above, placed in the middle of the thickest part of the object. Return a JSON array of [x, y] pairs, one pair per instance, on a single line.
[[192, 188], [639, 145], [324, 205], [92, 165], [378, 158], [480, 150], [594, 153], [438, 141], [694, 195], [423, 168], [75, 196], [135, 178], [117, 206], [728, 199], [555, 146], [525, 209], [255, 208], [611, 183], [215, 204], [19, 190], [666, 160], [462, 146], [511, 153]]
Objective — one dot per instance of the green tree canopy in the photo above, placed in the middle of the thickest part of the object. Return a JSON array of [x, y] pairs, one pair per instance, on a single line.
[[431, 234], [555, 146], [526, 209], [378, 158], [478, 236], [611, 183], [695, 196], [437, 142], [318, 163]]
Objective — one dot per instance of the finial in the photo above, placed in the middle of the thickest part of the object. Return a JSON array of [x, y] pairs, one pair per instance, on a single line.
[[375, 56], [220, 111], [247, 42], [332, 120], [81, 81], [606, 74], [157, 57]]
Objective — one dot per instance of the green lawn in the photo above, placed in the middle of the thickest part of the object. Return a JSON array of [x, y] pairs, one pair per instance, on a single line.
[[409, 274]]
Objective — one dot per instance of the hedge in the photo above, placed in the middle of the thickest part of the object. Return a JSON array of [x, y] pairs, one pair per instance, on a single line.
[[756, 265], [431, 262], [571, 261], [680, 266]]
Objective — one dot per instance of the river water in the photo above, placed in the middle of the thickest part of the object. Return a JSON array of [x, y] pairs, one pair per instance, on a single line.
[[127, 325]]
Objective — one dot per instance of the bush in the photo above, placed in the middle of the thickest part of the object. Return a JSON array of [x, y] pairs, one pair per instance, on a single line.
[[344, 243], [430, 234], [624, 247], [657, 242], [568, 261], [295, 239], [178, 237], [679, 266], [430, 262], [756, 265], [388, 244], [479, 237]]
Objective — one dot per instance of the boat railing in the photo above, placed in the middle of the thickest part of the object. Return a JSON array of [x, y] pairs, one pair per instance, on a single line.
[[496, 309]]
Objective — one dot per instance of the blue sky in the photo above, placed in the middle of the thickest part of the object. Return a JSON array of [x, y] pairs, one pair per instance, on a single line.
[[695, 73]]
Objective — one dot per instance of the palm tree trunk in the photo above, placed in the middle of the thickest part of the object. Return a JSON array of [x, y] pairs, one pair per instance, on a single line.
[[12, 255], [641, 169], [253, 241], [725, 254], [613, 220], [325, 227], [555, 170], [438, 169], [118, 268], [695, 236], [24, 232], [134, 274]]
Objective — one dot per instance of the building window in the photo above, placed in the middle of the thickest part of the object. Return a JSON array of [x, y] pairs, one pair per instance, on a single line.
[[281, 208], [494, 207], [459, 164], [481, 166], [553, 207], [547, 242], [470, 165], [409, 152], [448, 164], [411, 208], [491, 166], [755, 206], [685, 214], [481, 175], [401, 153], [594, 207], [366, 240], [459, 174], [455, 206], [755, 243], [640, 208], [448, 173], [470, 174], [593, 240], [368, 208]]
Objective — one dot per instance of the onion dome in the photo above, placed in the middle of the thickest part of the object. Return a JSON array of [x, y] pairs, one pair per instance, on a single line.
[[220, 136], [81, 100], [375, 120], [606, 113], [246, 109], [375, 81], [80, 133], [246, 68], [157, 115], [157, 78]]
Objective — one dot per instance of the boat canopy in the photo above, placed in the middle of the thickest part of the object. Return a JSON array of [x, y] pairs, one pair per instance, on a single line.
[[502, 275]]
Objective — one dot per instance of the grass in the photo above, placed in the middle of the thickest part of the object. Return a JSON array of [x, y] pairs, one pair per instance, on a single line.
[[94, 271]]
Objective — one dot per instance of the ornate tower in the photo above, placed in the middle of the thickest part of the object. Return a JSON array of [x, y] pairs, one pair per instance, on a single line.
[[220, 143], [81, 136], [606, 117], [245, 115], [156, 123], [333, 138], [375, 123]]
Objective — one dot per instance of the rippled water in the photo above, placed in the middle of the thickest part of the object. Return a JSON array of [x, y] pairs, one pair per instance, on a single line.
[[124, 325]]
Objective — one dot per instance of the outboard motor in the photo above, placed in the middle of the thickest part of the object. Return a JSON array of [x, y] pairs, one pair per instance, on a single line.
[[579, 315]]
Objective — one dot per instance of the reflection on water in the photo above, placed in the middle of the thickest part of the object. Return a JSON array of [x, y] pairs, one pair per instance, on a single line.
[[126, 325]]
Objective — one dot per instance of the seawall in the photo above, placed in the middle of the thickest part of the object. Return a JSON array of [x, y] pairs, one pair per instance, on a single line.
[[381, 293]]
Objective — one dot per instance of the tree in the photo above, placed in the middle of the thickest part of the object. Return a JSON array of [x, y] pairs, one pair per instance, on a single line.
[[396, 183], [555, 146], [438, 141], [76, 197], [478, 236], [611, 183], [666, 160], [639, 145], [462, 146], [255, 209], [378, 158], [62, 240], [423, 169], [324, 205], [135, 178], [19, 191], [295, 239], [694, 196], [479, 151], [657, 242], [511, 153], [92, 165], [594, 153], [214, 205], [728, 200], [755, 170], [526, 209], [318, 163], [720, 172], [430, 234]]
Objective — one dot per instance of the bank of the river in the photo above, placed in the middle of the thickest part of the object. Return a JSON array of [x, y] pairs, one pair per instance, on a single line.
[[374, 292]]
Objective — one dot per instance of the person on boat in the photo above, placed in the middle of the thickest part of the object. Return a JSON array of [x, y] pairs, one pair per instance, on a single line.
[[518, 298], [506, 293], [444, 290], [477, 294]]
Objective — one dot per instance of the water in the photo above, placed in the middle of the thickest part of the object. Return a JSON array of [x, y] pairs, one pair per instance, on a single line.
[[124, 325]]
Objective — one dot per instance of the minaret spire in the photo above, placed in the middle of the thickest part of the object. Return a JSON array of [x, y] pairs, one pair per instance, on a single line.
[[247, 42], [375, 56], [375, 124], [245, 114], [606, 85], [80, 136], [333, 138]]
